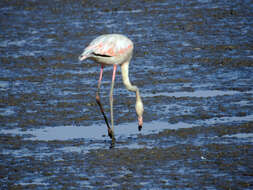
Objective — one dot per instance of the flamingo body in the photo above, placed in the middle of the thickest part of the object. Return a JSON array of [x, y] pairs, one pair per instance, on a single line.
[[113, 49], [109, 49]]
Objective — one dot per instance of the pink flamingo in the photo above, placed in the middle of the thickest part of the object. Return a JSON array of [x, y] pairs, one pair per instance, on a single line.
[[113, 49]]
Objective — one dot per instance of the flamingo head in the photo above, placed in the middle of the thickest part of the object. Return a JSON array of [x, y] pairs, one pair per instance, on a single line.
[[139, 111]]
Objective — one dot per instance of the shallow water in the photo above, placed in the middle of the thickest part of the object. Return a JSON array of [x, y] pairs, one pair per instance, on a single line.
[[193, 63]]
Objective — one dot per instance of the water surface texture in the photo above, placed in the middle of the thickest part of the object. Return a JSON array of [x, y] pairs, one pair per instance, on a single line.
[[193, 63]]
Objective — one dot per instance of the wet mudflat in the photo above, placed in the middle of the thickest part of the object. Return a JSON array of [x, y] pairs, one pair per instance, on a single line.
[[193, 62]]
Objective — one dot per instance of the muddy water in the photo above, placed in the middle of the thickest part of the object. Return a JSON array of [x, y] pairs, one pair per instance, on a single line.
[[193, 62]]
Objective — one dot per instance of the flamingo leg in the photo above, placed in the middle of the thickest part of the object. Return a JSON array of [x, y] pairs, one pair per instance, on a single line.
[[111, 96], [110, 133]]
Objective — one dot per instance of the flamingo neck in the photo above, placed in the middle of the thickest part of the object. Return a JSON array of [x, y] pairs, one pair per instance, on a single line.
[[125, 76]]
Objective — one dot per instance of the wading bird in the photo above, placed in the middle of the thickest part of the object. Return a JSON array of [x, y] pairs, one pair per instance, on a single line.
[[113, 49]]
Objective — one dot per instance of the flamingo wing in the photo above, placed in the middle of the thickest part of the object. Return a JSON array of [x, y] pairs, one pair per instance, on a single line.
[[110, 45]]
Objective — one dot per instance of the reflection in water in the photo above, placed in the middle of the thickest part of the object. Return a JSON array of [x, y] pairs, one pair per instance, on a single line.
[[98, 132]]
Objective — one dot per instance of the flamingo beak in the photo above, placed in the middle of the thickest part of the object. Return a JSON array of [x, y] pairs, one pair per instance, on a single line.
[[140, 123]]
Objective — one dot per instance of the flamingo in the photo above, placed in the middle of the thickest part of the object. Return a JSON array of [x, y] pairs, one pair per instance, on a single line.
[[113, 49]]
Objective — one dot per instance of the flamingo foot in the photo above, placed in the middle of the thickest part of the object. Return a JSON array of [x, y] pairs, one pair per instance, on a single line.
[[140, 127], [110, 134], [112, 144]]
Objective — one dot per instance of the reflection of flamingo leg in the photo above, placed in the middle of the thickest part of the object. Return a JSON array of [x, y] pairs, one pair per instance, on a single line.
[[111, 95], [99, 103]]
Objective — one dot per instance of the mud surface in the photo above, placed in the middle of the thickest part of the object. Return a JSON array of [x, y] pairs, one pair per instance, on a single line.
[[193, 62]]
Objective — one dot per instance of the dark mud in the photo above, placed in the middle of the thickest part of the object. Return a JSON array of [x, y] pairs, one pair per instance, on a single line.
[[193, 62]]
